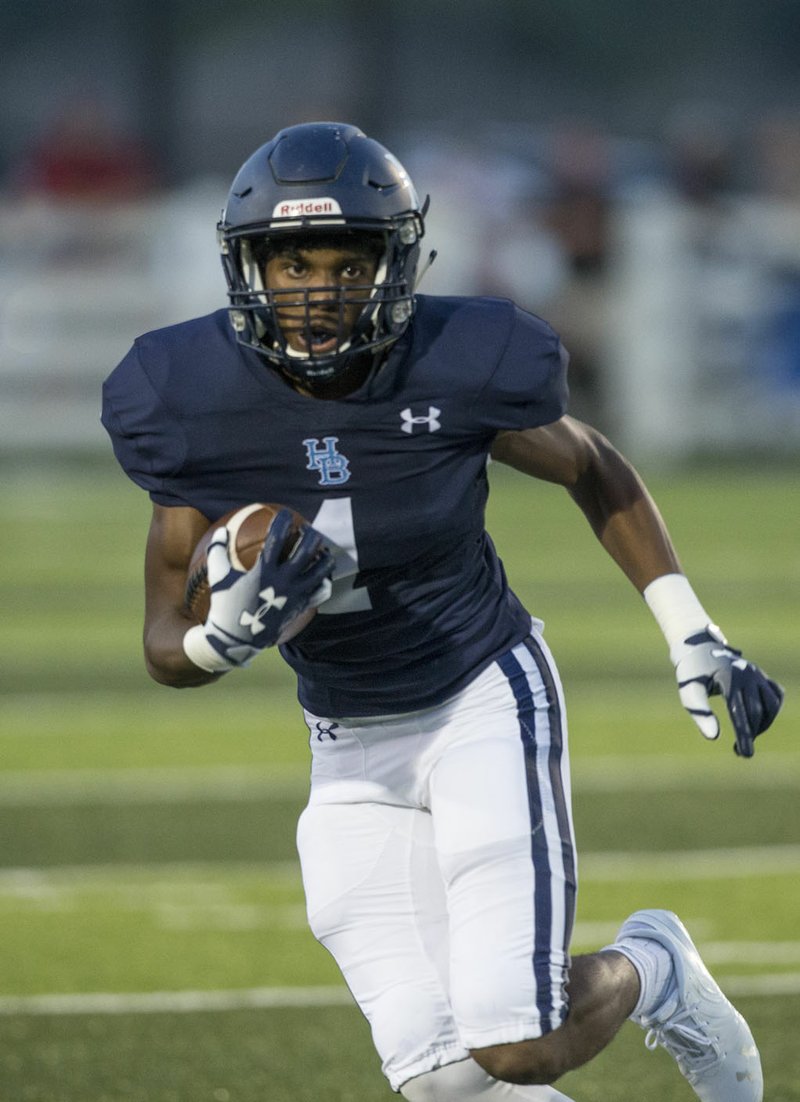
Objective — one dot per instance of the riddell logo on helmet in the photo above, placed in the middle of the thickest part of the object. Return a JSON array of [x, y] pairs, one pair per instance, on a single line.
[[298, 208]]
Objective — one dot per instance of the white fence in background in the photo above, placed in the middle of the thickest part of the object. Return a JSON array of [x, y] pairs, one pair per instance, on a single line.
[[702, 336], [77, 285], [704, 350]]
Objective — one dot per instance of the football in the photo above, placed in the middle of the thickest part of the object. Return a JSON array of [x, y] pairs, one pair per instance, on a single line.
[[248, 527]]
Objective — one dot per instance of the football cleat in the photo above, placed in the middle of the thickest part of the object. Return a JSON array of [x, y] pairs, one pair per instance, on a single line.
[[708, 1038]]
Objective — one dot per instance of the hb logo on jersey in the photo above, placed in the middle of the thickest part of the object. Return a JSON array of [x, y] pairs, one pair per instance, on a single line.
[[333, 467]]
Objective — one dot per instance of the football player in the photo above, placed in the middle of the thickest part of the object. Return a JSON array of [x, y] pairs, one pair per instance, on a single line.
[[437, 846]]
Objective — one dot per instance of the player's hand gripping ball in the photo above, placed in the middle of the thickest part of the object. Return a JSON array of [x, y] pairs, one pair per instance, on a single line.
[[256, 578]]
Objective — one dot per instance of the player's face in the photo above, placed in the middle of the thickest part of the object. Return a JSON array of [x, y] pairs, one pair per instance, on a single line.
[[321, 293]]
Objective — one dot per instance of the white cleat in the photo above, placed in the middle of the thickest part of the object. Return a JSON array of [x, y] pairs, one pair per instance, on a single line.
[[708, 1038]]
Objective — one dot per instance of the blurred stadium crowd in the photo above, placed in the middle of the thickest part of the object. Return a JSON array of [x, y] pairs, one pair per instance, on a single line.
[[671, 267]]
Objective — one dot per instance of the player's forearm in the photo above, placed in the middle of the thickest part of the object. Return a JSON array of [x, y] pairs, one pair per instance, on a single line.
[[639, 544], [165, 659], [625, 518]]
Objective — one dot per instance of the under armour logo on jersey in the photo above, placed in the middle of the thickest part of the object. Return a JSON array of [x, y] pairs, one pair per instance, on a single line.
[[432, 420], [323, 731], [333, 467], [253, 620]]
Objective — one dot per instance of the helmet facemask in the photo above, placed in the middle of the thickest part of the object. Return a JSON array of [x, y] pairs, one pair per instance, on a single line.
[[321, 317], [320, 181]]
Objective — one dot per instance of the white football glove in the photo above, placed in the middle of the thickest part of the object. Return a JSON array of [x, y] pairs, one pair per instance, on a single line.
[[249, 610], [705, 665]]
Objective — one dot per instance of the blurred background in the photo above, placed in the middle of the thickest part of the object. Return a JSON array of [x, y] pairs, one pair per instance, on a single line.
[[630, 173]]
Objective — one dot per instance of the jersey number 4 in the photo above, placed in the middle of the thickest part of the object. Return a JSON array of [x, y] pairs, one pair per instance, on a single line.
[[335, 520]]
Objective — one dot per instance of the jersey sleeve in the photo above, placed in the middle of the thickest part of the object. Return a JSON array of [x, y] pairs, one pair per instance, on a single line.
[[528, 386], [147, 439]]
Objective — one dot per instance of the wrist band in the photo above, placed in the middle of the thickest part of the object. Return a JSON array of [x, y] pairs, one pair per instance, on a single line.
[[199, 651], [676, 608]]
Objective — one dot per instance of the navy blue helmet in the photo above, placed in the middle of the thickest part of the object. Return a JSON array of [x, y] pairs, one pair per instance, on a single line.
[[321, 182]]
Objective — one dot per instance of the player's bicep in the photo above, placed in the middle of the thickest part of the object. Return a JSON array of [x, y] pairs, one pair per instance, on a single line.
[[173, 535], [559, 452]]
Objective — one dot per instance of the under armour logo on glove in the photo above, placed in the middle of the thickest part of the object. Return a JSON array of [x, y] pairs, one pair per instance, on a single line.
[[705, 665], [254, 621], [249, 609]]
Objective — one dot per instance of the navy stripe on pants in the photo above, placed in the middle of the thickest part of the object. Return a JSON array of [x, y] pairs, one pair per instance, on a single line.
[[551, 832]]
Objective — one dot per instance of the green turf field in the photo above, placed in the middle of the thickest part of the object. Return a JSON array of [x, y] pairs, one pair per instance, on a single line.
[[152, 937]]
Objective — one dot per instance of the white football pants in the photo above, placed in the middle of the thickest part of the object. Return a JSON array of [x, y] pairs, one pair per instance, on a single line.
[[467, 1082], [439, 865]]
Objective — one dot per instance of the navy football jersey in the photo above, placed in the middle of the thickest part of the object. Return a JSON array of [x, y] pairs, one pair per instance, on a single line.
[[393, 474]]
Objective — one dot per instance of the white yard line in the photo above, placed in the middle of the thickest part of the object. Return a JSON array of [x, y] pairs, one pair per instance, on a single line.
[[262, 998], [668, 772], [695, 864], [25, 881], [164, 785], [744, 861], [692, 864], [611, 773], [176, 1002], [784, 983], [752, 952]]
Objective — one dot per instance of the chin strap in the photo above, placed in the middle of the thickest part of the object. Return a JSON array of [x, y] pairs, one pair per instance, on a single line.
[[431, 257], [369, 363]]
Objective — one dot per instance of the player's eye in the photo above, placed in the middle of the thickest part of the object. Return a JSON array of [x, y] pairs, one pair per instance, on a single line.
[[295, 268]]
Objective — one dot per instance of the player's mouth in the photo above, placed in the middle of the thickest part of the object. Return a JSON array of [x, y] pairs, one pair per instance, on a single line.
[[317, 339]]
